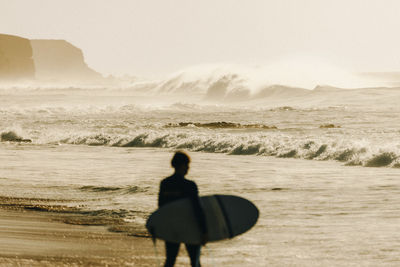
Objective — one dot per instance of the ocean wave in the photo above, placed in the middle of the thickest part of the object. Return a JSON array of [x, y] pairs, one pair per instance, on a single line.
[[91, 140], [226, 87], [74, 110], [265, 143], [219, 84], [381, 160]]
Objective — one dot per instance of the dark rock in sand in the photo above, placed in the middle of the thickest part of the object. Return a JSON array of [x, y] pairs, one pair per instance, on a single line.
[[221, 124], [13, 137]]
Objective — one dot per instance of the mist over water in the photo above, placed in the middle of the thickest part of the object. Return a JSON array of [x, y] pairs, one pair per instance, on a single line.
[[294, 72]]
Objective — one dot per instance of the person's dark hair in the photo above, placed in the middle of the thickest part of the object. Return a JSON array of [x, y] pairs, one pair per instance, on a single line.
[[179, 159]]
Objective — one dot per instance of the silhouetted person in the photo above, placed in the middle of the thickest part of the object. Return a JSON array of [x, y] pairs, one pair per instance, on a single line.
[[177, 187]]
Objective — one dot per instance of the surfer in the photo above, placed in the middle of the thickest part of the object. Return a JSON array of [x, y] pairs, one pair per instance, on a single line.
[[177, 187]]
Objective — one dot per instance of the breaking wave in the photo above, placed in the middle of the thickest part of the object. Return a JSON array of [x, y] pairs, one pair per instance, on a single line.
[[225, 85], [267, 143], [216, 86], [380, 160]]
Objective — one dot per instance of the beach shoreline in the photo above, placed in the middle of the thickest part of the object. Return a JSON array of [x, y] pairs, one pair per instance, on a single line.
[[312, 213], [36, 238]]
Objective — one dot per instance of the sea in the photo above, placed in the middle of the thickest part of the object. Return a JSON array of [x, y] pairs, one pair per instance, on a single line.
[[321, 164]]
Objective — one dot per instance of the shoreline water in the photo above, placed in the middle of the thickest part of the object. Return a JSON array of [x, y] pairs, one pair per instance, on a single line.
[[33, 238], [40, 238], [312, 213]]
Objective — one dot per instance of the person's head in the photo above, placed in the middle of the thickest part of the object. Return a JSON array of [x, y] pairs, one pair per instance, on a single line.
[[180, 162]]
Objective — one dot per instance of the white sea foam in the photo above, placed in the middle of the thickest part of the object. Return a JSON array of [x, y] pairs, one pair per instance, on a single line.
[[222, 110], [263, 142]]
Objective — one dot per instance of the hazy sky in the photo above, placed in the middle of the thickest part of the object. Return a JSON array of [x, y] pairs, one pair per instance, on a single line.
[[157, 37]]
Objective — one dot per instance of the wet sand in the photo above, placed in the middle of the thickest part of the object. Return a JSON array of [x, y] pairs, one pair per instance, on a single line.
[[33, 238]]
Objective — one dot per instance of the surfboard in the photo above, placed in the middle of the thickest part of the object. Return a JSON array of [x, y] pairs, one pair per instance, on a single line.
[[226, 216]]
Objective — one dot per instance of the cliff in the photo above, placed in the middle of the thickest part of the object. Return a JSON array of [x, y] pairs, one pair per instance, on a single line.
[[60, 61], [15, 58]]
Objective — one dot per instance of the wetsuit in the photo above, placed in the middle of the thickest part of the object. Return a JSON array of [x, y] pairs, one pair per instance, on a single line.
[[177, 187]]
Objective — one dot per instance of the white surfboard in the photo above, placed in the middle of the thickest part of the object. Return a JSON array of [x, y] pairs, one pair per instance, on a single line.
[[226, 217]]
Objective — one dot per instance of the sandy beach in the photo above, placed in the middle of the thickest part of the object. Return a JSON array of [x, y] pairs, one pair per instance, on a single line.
[[34, 238]]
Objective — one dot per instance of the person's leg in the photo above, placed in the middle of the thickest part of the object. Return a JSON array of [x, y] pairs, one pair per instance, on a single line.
[[171, 250], [194, 254]]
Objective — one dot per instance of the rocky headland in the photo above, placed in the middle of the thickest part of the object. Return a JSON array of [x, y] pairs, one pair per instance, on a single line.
[[43, 61], [59, 60], [16, 61]]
